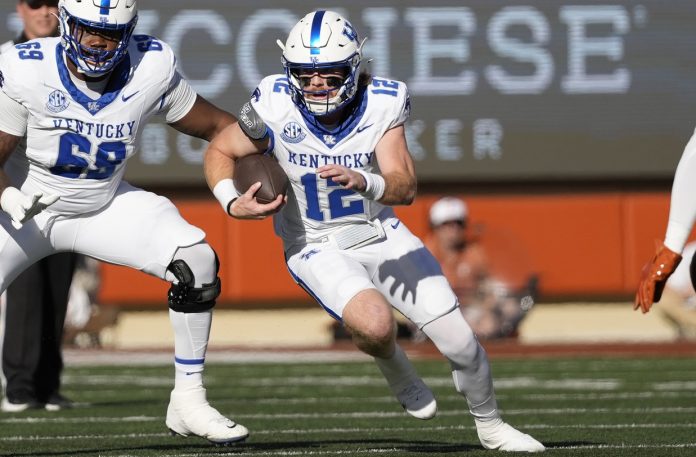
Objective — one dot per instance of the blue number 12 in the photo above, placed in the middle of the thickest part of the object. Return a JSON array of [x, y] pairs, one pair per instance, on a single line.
[[336, 207]]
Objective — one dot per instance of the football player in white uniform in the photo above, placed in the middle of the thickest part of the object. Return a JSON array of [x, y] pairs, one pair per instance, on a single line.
[[339, 136], [682, 214], [82, 100]]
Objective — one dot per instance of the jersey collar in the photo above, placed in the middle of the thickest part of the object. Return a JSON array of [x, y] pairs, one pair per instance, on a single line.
[[331, 137], [117, 81]]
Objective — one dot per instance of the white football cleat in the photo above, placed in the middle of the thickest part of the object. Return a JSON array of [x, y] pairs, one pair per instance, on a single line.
[[190, 414], [503, 437], [418, 400]]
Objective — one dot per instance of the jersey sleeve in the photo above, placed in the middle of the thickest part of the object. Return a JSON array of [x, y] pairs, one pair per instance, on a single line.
[[14, 114], [178, 96], [179, 99], [271, 100], [402, 106]]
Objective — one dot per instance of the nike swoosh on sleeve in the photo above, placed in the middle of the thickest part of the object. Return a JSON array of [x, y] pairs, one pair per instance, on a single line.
[[360, 129], [125, 99]]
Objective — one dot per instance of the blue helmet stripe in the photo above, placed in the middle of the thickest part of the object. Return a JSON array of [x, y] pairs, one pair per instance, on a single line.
[[315, 36], [104, 7]]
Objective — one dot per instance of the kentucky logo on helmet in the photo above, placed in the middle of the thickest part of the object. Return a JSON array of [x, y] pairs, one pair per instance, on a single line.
[[350, 32], [293, 133], [57, 101]]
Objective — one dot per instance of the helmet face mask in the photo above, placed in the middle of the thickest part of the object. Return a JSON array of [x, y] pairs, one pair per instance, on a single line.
[[334, 84], [114, 22], [323, 43]]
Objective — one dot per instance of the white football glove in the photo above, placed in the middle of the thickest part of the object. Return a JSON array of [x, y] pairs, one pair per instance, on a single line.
[[22, 207]]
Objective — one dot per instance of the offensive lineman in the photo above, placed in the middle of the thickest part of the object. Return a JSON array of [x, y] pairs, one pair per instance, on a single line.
[[82, 100], [339, 136]]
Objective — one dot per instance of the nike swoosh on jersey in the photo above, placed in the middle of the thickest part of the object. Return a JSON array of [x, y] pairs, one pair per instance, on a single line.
[[360, 129], [396, 224], [125, 99]]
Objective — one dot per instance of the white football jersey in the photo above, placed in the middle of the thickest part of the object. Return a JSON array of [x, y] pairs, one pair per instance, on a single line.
[[316, 207], [77, 146]]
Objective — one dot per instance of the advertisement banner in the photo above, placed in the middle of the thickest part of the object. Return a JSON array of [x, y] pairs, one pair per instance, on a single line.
[[501, 90]]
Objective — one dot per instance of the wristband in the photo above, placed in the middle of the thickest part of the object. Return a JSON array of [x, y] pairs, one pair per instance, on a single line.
[[226, 193], [374, 185]]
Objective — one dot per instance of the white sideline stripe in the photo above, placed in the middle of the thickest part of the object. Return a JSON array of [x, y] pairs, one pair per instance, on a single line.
[[401, 450], [675, 385], [456, 397], [363, 429], [625, 446], [80, 357], [363, 415], [103, 393], [337, 381]]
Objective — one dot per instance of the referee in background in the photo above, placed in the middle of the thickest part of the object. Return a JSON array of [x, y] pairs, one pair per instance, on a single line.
[[35, 303]]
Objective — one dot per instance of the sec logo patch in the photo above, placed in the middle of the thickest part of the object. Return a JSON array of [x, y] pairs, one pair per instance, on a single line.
[[293, 133]]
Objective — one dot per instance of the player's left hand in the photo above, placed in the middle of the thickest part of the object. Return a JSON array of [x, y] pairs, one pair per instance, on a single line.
[[22, 207], [344, 176], [654, 276]]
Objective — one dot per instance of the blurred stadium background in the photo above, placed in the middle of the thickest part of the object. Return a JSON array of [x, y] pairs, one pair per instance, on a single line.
[[560, 123]]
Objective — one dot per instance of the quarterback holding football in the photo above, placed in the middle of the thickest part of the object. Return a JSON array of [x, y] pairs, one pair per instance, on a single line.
[[339, 135]]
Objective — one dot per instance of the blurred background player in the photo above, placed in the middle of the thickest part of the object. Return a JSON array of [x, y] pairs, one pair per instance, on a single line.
[[486, 302], [35, 303], [339, 135], [81, 102], [682, 213], [678, 302]]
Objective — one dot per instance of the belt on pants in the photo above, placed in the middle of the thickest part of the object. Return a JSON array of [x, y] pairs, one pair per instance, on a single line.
[[356, 235]]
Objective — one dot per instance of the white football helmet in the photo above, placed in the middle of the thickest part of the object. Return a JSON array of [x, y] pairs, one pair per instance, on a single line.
[[105, 16], [321, 41]]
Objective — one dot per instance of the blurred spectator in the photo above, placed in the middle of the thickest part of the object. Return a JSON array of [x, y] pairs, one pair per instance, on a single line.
[[678, 301], [488, 304], [86, 318], [35, 303]]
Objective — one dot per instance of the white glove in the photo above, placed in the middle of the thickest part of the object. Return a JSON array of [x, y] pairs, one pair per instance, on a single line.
[[22, 207]]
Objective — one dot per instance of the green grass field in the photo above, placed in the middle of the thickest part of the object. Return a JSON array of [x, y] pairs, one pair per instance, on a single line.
[[576, 406]]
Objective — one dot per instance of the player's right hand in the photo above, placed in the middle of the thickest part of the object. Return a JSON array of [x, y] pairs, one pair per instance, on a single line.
[[654, 276], [22, 207], [247, 207]]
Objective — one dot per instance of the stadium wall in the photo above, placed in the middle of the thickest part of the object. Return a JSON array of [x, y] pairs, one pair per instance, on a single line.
[[585, 246]]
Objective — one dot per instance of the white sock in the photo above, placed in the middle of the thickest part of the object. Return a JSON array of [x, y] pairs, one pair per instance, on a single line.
[[471, 371], [191, 332], [397, 370]]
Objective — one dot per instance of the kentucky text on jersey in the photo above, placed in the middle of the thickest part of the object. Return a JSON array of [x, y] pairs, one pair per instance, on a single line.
[[358, 160], [99, 130]]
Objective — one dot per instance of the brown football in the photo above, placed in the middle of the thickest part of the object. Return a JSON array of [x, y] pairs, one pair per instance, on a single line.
[[264, 169]]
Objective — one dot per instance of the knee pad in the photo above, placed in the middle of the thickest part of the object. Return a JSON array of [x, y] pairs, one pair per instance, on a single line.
[[184, 297]]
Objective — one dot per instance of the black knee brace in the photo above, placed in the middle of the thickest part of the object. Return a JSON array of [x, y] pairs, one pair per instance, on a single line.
[[184, 297]]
